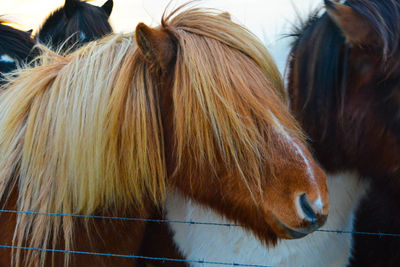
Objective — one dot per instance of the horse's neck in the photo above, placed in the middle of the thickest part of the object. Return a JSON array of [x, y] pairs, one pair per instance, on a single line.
[[233, 244]]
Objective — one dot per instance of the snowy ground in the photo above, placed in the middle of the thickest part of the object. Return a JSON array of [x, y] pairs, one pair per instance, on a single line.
[[268, 19]]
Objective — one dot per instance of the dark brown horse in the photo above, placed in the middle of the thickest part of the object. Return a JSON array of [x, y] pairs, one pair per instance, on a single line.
[[344, 85], [195, 109]]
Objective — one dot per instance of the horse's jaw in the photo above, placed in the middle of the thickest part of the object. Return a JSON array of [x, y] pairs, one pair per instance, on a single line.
[[235, 245]]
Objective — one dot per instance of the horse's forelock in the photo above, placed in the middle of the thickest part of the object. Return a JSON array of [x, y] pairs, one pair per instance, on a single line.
[[227, 95]]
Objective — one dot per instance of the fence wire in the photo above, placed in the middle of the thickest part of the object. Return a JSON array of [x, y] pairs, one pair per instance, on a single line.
[[159, 221], [183, 222], [132, 256]]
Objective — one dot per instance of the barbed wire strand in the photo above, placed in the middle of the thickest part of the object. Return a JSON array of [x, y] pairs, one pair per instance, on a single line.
[[116, 218], [183, 222], [132, 256]]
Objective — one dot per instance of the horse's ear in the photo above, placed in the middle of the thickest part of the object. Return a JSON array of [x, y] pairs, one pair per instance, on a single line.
[[356, 29], [69, 8], [225, 15], [29, 32], [158, 46], [108, 7]]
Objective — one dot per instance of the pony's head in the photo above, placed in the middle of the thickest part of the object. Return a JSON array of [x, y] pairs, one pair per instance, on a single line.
[[15, 48], [344, 84], [196, 107], [230, 141], [76, 23]]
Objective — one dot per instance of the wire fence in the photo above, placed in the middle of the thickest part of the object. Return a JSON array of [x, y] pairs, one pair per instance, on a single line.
[[181, 222], [161, 221], [134, 256]]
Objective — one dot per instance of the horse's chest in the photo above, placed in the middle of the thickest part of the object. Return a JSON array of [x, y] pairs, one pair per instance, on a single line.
[[234, 245]]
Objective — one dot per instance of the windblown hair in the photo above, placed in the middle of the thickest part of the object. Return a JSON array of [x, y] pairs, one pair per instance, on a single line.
[[16, 44], [82, 133], [321, 53], [60, 32]]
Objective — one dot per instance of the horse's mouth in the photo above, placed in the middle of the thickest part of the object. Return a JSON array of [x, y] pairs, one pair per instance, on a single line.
[[302, 232]]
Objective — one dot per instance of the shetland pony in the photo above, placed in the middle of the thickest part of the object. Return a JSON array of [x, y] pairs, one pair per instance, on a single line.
[[344, 82], [211, 242], [75, 24], [16, 49], [195, 110]]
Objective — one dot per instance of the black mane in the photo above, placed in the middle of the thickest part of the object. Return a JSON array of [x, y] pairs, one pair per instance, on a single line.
[[86, 23], [319, 52]]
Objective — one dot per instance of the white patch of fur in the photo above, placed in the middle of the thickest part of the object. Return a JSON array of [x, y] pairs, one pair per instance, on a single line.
[[235, 245], [7, 59], [300, 152]]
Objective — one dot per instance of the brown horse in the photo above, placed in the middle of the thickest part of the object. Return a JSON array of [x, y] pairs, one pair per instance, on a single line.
[[344, 88], [195, 109], [218, 243], [344, 82]]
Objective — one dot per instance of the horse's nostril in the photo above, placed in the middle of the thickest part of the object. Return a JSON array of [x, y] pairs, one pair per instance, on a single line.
[[311, 218], [307, 209]]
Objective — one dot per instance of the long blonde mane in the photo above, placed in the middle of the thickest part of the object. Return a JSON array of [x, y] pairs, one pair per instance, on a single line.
[[82, 133]]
